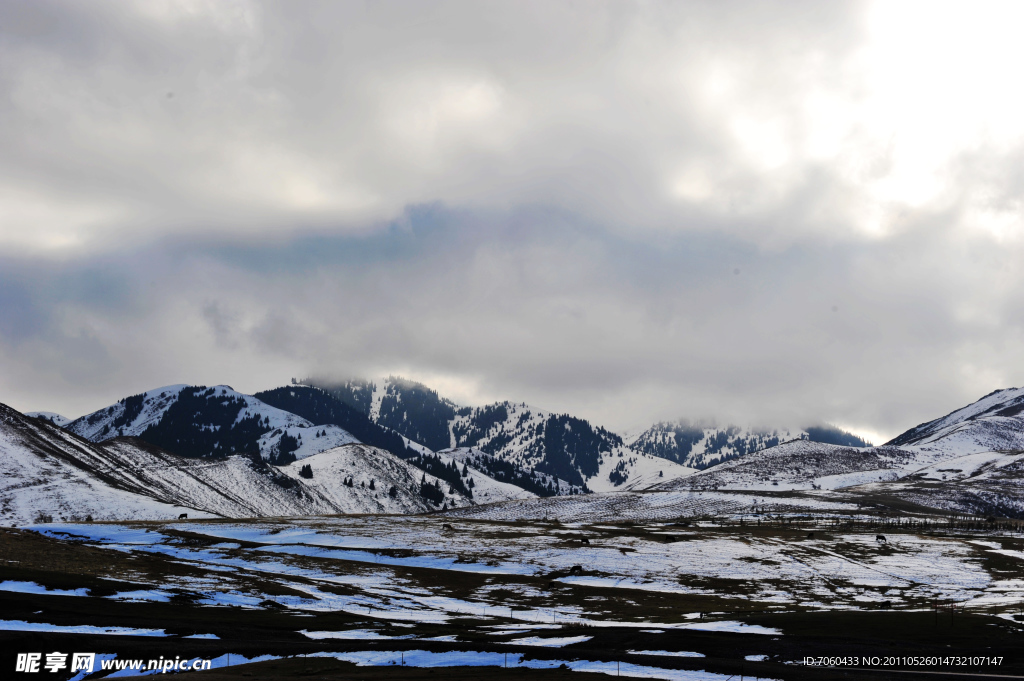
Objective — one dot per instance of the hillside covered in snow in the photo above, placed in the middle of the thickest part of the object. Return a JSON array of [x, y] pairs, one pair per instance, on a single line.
[[201, 422], [52, 473], [397, 446], [971, 460]]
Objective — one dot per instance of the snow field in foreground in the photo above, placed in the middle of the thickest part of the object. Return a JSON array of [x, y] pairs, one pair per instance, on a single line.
[[371, 557]]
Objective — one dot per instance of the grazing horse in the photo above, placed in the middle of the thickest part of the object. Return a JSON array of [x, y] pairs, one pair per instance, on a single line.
[[881, 539], [183, 516]]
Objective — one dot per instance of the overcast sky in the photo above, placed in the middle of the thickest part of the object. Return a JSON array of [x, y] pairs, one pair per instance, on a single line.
[[769, 213]]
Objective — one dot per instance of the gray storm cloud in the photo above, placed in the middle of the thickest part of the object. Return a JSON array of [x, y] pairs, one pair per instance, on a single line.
[[771, 213]]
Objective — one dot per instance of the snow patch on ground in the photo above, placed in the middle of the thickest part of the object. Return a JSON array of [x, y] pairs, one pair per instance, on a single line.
[[33, 588], [19, 625]]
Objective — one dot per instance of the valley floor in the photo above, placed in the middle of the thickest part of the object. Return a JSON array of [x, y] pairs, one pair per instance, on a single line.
[[358, 596]]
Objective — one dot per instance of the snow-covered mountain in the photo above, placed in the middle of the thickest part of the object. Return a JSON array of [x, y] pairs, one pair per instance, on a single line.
[[984, 483], [995, 422], [52, 417], [532, 482], [46, 471], [404, 406], [207, 449], [587, 457], [971, 460], [492, 480], [283, 425], [703, 444], [801, 465], [201, 422]]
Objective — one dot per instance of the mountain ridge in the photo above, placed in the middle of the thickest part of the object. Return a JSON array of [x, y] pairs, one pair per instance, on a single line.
[[588, 457], [50, 472]]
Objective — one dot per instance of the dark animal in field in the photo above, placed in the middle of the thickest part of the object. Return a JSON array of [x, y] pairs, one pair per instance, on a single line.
[[576, 570], [183, 516], [886, 605], [881, 539], [584, 540], [810, 535]]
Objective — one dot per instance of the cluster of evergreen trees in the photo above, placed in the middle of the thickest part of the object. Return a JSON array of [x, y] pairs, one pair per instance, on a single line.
[[431, 491], [286, 448], [416, 412], [431, 463], [317, 406], [619, 474], [356, 394], [572, 448], [132, 409], [834, 436], [407, 408], [503, 471], [220, 431], [469, 433]]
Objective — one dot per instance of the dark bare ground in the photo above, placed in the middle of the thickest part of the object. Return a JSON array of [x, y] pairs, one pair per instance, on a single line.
[[253, 633]]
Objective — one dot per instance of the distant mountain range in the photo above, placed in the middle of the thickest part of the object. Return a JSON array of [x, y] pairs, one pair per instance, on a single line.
[[587, 457], [409, 420], [971, 460], [394, 445], [703, 445], [559, 443]]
